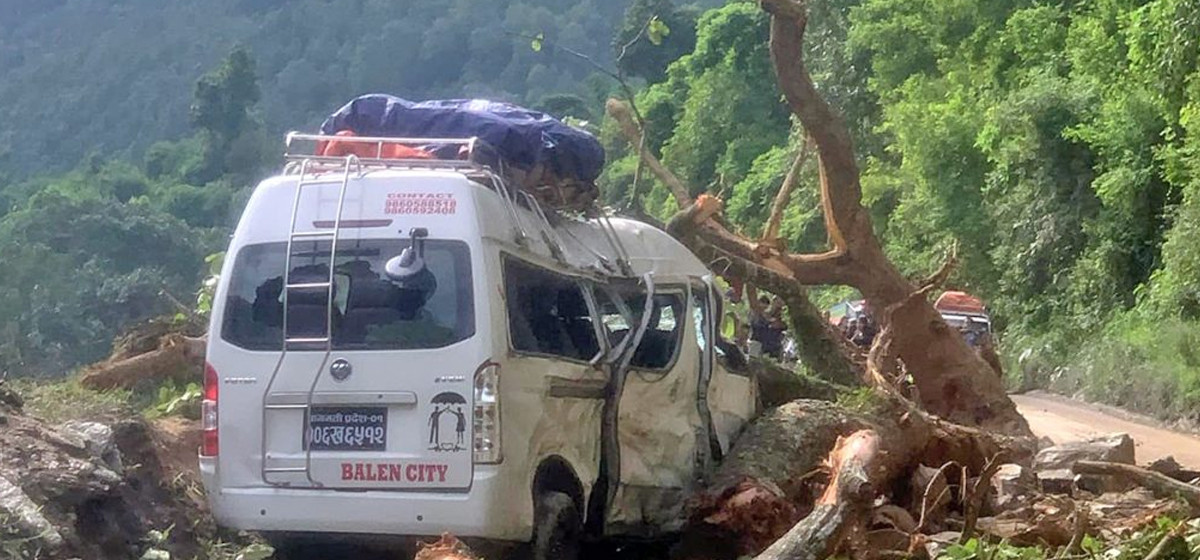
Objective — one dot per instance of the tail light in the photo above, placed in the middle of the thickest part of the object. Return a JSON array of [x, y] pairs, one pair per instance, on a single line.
[[208, 412], [487, 413]]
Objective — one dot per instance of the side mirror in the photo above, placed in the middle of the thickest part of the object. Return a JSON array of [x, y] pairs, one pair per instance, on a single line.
[[412, 260]]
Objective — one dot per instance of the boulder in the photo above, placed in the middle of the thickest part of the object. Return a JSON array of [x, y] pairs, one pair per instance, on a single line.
[[1012, 486], [97, 439], [1057, 481], [1167, 465], [63, 495], [23, 519], [1113, 448]]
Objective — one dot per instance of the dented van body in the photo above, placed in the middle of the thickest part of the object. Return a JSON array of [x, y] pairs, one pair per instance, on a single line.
[[407, 348]]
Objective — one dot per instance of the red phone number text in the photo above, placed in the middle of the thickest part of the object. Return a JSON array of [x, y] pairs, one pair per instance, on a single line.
[[421, 206]]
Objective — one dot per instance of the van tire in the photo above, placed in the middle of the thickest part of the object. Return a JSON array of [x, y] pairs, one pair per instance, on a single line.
[[557, 530]]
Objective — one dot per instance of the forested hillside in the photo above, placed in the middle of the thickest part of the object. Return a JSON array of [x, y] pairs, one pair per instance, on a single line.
[[84, 76], [133, 131], [1056, 144]]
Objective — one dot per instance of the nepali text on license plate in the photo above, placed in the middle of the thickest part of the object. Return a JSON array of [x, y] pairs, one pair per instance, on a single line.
[[341, 428]]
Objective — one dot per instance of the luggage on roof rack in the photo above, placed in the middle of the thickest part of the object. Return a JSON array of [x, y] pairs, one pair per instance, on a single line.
[[959, 302], [554, 162]]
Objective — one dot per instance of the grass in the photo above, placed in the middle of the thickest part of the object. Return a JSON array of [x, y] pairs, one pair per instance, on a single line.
[[1144, 364], [64, 400]]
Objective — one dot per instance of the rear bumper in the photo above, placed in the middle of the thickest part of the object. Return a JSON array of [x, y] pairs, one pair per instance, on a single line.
[[483, 512]]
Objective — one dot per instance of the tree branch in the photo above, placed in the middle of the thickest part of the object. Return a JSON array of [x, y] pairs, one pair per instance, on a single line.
[[620, 112], [694, 228], [841, 193], [790, 181]]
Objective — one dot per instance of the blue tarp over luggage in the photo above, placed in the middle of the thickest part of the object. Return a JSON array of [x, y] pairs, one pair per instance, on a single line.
[[524, 138]]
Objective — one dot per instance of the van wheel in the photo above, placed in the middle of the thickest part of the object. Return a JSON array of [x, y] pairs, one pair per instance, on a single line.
[[557, 529]]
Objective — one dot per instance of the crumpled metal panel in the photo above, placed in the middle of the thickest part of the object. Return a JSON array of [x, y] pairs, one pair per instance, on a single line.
[[659, 428], [733, 400]]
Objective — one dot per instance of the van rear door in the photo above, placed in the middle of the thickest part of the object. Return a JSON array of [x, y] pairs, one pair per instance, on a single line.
[[387, 401]]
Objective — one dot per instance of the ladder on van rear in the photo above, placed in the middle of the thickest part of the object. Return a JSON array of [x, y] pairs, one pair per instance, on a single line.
[[289, 342]]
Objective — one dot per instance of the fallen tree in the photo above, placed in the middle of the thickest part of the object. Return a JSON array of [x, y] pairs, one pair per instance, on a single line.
[[952, 381], [177, 357], [804, 478], [152, 352]]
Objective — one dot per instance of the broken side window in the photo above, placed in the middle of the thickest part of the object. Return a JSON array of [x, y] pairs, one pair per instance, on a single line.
[[547, 313], [663, 333]]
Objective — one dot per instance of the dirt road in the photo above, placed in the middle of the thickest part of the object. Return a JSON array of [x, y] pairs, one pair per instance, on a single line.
[[1064, 420]]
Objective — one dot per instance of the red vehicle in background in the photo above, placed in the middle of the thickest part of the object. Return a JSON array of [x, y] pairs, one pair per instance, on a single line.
[[966, 313]]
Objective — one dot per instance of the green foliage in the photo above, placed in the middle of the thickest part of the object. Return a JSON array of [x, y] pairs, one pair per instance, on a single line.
[[976, 549], [92, 251], [174, 399], [117, 80], [65, 399], [653, 34], [1055, 144], [208, 289], [1133, 547]]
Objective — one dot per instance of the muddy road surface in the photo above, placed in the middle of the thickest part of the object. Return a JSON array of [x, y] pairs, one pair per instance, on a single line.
[[1064, 420]]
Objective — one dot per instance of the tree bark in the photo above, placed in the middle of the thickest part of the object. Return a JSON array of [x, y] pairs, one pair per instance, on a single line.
[[177, 357], [857, 465], [778, 385], [766, 484], [1160, 484]]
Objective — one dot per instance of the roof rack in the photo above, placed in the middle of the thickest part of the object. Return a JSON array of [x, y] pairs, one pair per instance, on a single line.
[[469, 154]]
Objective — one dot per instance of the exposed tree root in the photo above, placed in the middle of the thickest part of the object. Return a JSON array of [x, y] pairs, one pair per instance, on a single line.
[[446, 548]]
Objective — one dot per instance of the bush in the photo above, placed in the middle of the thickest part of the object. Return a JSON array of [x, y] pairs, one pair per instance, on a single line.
[[1139, 361]]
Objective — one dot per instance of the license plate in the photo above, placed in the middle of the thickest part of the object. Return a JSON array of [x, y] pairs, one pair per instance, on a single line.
[[342, 428]]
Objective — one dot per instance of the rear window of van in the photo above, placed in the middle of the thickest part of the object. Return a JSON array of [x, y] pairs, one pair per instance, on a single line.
[[370, 310]]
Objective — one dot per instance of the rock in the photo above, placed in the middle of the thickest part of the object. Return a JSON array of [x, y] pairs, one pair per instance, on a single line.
[[1012, 486], [1166, 465], [9, 398], [58, 488], [1114, 448], [98, 440], [24, 517], [1047, 521], [1057, 481], [1045, 442]]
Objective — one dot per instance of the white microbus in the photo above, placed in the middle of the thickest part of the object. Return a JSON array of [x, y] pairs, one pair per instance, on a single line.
[[407, 347]]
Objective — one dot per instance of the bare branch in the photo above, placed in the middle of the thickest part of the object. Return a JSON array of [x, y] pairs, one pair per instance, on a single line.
[[621, 113], [943, 273], [841, 193], [704, 235], [790, 181], [641, 32]]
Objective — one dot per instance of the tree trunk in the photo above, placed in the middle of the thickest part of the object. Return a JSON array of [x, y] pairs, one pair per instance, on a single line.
[[778, 385], [823, 351], [767, 483], [857, 465]]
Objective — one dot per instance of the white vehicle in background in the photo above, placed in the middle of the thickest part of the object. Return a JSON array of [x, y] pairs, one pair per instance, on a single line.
[[407, 347]]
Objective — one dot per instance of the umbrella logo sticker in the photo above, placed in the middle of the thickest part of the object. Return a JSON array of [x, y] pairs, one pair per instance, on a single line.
[[447, 418]]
